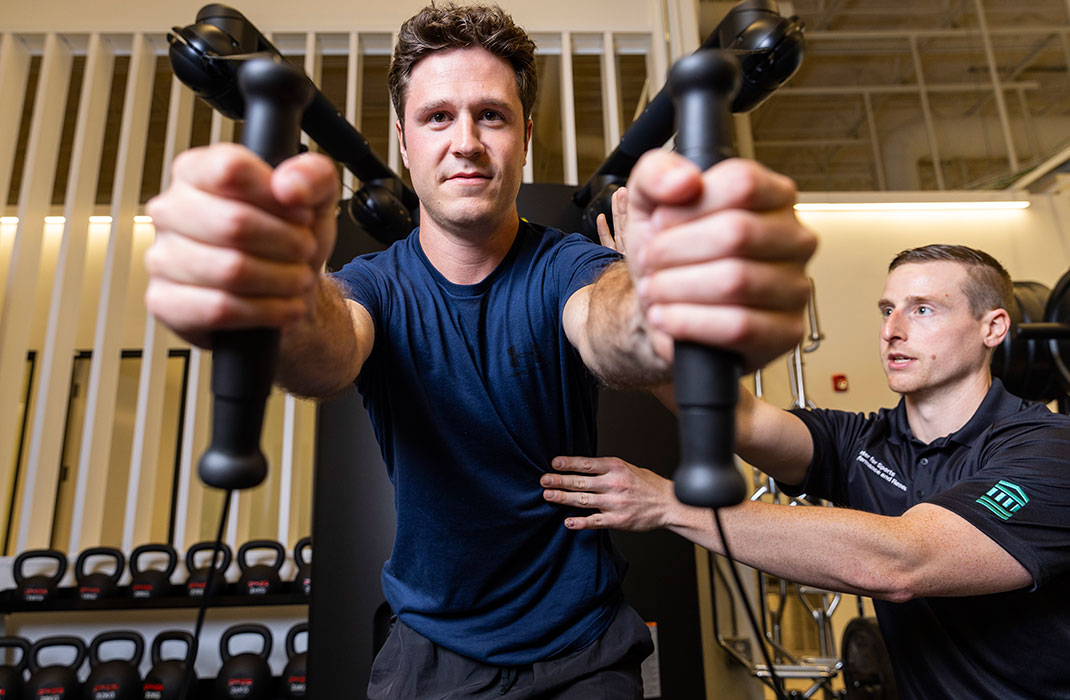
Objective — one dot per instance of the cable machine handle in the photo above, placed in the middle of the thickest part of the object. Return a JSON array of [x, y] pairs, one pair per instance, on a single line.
[[706, 379], [243, 361]]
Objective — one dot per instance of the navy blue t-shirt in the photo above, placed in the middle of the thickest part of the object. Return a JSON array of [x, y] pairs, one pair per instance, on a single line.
[[1006, 472], [472, 391]]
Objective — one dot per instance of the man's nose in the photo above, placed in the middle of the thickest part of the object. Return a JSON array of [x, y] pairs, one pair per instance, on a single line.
[[894, 326], [467, 142]]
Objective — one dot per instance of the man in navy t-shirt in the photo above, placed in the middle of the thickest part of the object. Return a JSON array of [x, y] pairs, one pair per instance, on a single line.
[[957, 501], [478, 343]]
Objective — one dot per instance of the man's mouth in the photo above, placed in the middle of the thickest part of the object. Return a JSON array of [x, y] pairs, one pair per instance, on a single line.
[[897, 360], [469, 176]]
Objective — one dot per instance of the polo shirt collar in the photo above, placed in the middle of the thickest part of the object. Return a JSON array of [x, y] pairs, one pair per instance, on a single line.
[[997, 404]]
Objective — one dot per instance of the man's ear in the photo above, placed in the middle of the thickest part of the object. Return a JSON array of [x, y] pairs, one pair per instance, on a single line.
[[401, 142], [527, 140], [996, 326]]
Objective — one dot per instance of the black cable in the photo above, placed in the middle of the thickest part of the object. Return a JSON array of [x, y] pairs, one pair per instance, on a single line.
[[775, 681], [192, 651]]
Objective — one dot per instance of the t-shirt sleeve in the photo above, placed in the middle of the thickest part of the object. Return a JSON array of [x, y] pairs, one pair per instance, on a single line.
[[578, 263], [357, 280], [1020, 497], [831, 431]]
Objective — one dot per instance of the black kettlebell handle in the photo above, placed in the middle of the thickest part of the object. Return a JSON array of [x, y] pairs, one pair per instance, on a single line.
[[243, 362], [291, 638], [58, 641], [280, 553], [117, 636], [706, 379], [20, 560], [16, 642], [166, 549], [111, 552], [196, 549], [172, 636], [299, 550], [248, 628]]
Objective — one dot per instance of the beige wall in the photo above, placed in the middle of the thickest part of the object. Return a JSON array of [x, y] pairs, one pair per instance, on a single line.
[[850, 266]]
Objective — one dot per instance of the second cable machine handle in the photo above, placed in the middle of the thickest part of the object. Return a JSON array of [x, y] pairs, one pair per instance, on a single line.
[[706, 379]]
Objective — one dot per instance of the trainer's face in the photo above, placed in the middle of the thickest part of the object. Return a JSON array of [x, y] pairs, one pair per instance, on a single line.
[[464, 139], [929, 338]]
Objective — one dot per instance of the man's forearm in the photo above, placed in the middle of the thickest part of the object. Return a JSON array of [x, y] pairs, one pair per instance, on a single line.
[[837, 549], [621, 345], [321, 354]]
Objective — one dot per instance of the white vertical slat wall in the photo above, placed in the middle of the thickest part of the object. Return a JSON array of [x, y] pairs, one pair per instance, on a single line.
[[16, 315], [121, 485]]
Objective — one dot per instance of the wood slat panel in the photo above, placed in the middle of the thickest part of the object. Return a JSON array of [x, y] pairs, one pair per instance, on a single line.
[[95, 453], [21, 285], [53, 391]]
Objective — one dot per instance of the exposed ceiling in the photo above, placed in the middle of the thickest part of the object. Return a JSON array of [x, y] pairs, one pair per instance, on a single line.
[[884, 81]]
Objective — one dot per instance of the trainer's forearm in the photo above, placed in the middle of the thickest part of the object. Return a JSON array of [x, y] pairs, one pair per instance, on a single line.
[[622, 345], [832, 548], [321, 354]]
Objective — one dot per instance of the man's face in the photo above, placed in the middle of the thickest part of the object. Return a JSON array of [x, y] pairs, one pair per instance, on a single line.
[[929, 338], [465, 139]]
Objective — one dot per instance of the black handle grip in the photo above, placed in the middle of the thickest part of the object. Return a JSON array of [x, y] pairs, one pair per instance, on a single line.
[[16, 642], [707, 379], [256, 628], [111, 552], [21, 559], [165, 549], [172, 636], [243, 553], [222, 560], [243, 362], [291, 638], [299, 550], [75, 643], [117, 636]]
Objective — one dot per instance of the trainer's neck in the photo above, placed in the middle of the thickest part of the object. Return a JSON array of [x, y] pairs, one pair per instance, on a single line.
[[940, 411]]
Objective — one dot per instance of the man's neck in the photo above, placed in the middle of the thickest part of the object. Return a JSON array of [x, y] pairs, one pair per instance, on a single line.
[[941, 411], [467, 257]]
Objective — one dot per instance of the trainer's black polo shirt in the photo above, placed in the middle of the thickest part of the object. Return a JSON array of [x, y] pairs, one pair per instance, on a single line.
[[1007, 472]]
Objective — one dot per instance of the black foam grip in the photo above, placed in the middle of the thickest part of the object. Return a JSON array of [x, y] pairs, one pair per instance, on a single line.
[[243, 362], [706, 379]]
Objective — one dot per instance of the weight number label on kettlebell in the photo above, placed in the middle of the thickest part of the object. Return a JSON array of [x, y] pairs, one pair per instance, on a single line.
[[239, 687]]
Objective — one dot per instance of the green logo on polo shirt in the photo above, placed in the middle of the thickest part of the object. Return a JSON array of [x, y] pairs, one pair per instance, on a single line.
[[1004, 499]]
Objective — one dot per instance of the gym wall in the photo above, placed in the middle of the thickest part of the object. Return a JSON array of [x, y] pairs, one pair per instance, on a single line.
[[135, 421]]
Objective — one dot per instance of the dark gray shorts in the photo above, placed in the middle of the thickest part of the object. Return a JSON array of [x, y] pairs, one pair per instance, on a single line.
[[410, 667]]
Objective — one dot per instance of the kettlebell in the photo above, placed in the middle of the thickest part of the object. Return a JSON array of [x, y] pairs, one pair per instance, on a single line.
[[244, 675], [13, 677], [38, 588], [55, 682], [303, 579], [96, 585], [260, 579], [198, 577], [295, 675], [164, 679], [152, 583], [115, 679]]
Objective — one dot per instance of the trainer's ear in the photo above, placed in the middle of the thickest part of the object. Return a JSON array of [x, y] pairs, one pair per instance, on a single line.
[[995, 325]]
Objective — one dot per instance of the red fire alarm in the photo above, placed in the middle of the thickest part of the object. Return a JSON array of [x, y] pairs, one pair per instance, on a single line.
[[839, 382]]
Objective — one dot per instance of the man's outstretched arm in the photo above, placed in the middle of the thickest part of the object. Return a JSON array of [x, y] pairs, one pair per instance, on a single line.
[[715, 257], [927, 551]]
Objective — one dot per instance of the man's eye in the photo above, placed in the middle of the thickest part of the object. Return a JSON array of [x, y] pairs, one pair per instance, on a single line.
[[886, 312], [492, 116], [924, 310], [438, 117]]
